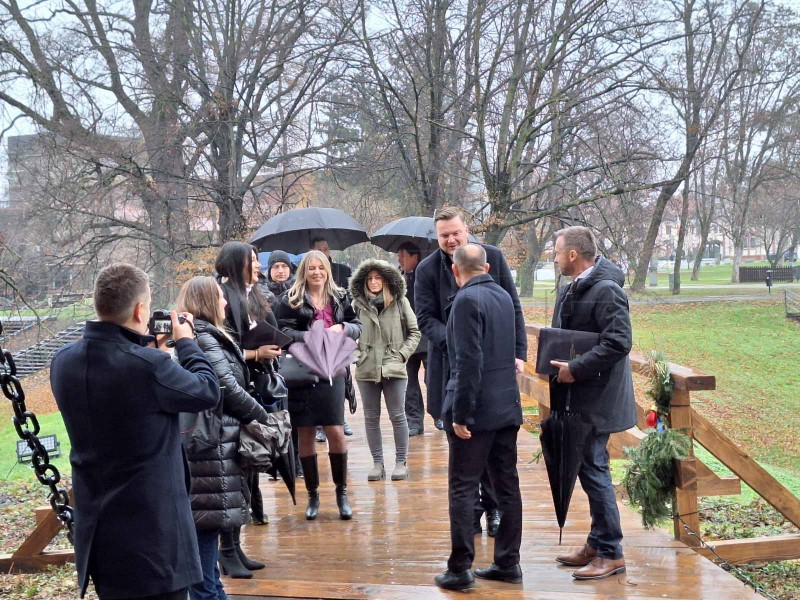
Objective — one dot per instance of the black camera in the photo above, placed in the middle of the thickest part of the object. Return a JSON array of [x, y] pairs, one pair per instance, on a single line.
[[161, 323]]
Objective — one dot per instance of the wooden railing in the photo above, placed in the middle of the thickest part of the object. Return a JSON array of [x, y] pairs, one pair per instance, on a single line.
[[693, 477]]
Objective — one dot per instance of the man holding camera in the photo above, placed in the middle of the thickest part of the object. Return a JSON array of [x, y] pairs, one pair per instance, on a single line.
[[120, 398]]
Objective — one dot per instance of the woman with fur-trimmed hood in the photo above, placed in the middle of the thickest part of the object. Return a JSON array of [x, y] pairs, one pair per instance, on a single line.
[[389, 337]]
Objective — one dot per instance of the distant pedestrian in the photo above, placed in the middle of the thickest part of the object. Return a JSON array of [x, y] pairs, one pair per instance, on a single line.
[[408, 255], [389, 336]]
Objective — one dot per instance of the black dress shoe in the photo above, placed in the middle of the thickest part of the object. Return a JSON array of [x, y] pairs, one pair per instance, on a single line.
[[492, 522], [511, 574], [455, 581], [414, 431], [439, 424], [347, 429]]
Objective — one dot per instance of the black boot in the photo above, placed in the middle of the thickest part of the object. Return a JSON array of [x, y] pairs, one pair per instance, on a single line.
[[250, 565], [339, 474], [311, 478], [229, 562], [256, 501]]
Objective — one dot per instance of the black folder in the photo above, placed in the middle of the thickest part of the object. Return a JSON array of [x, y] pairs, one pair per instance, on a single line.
[[563, 345], [264, 334]]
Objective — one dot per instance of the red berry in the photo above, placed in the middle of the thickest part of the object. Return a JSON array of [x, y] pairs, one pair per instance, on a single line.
[[651, 418]]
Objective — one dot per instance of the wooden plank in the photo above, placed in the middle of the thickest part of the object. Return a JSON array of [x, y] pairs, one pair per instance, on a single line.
[[617, 442], [40, 537], [33, 564], [711, 484], [686, 510], [686, 475], [772, 548], [684, 378], [746, 468]]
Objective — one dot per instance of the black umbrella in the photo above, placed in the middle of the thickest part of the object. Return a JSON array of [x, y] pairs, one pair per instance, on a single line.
[[293, 230], [267, 447], [420, 231], [562, 438]]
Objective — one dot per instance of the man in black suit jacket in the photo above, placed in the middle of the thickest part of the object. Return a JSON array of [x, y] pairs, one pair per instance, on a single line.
[[120, 398], [482, 415], [434, 289]]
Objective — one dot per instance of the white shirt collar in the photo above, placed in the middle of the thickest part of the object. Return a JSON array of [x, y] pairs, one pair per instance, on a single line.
[[585, 273]]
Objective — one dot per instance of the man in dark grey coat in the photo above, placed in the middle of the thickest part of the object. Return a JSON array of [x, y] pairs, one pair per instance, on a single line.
[[434, 289], [596, 384], [408, 256], [120, 399], [482, 416]]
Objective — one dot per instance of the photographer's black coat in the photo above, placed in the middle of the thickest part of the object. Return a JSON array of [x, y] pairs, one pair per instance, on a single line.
[[120, 401]]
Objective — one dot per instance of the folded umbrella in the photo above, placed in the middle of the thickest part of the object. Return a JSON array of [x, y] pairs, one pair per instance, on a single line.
[[268, 448], [563, 438], [326, 353]]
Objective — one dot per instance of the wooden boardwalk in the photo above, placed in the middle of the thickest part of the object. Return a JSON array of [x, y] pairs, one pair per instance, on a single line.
[[398, 539]]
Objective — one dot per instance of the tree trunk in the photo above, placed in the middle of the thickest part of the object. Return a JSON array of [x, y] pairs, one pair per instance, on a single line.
[[676, 271], [705, 230], [738, 250]]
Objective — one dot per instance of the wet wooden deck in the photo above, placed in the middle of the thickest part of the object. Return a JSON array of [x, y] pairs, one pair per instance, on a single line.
[[398, 539]]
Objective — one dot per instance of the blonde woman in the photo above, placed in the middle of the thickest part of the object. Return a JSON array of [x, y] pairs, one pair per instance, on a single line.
[[315, 297], [389, 337], [219, 491]]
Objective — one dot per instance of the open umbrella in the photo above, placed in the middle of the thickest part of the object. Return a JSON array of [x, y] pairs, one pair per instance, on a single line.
[[326, 353], [293, 230], [563, 438], [268, 447], [420, 231]]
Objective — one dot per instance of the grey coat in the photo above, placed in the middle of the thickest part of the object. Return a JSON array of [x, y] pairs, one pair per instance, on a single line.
[[603, 388], [390, 337]]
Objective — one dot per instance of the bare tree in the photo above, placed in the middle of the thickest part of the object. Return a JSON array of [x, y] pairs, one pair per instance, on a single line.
[[716, 45]]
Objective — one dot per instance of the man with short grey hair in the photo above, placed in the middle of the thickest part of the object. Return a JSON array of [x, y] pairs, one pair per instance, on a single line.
[[597, 385]]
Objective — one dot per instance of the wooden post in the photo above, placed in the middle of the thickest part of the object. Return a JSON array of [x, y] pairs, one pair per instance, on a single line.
[[685, 506]]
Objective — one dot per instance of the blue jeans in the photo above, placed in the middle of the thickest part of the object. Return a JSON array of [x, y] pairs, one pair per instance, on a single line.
[[211, 587], [595, 476]]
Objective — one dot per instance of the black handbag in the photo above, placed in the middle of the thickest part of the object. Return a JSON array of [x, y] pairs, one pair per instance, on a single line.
[[269, 384], [562, 345], [295, 373], [201, 431]]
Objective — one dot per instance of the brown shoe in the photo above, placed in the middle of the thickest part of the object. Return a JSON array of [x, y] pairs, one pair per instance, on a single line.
[[581, 558], [600, 568]]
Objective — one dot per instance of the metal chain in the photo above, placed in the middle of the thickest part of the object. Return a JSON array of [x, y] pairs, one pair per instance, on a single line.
[[27, 426], [721, 562]]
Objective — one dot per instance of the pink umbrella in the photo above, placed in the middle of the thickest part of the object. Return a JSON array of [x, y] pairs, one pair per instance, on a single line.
[[326, 353]]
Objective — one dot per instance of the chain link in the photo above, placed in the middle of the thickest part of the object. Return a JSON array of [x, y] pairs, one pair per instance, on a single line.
[[27, 426], [724, 564]]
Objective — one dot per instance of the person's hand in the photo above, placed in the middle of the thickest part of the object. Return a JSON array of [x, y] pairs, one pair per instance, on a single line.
[[461, 431], [564, 374], [268, 352], [338, 328], [182, 330], [519, 365]]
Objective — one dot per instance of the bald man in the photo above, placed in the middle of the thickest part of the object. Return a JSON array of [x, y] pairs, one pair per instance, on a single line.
[[482, 415]]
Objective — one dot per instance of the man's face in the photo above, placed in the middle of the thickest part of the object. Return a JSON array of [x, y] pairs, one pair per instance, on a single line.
[[322, 247], [408, 262], [280, 272], [451, 234], [565, 259]]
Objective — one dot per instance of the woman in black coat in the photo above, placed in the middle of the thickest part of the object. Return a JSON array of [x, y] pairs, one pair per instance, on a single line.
[[314, 296], [219, 492], [238, 272]]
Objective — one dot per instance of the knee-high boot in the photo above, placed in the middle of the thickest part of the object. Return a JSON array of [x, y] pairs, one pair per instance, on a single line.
[[249, 564], [311, 479], [339, 473], [229, 562]]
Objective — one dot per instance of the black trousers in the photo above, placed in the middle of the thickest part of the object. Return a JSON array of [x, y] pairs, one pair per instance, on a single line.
[[496, 450], [415, 406], [485, 497]]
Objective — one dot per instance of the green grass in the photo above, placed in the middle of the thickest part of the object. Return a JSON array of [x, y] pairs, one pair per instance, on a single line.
[[10, 470], [753, 351]]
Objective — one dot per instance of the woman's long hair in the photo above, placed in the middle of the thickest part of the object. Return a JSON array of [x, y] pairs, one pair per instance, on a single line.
[[232, 260], [200, 297], [297, 292]]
